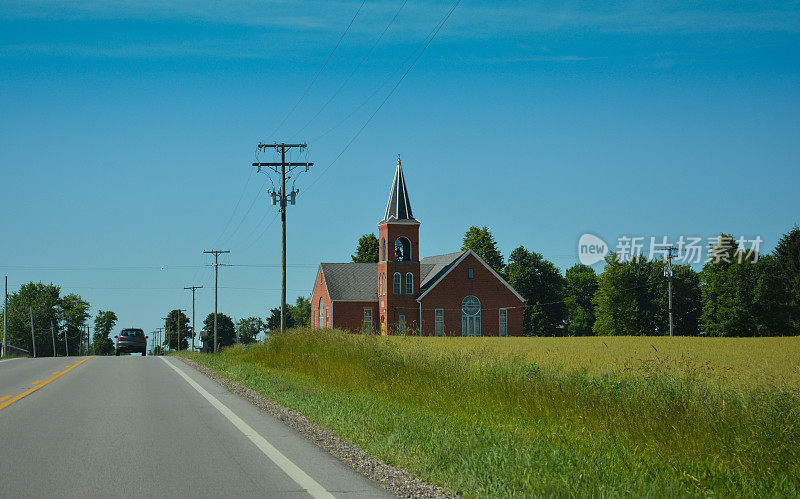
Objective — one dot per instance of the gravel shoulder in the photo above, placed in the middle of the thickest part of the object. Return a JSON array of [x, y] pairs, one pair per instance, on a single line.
[[393, 479]]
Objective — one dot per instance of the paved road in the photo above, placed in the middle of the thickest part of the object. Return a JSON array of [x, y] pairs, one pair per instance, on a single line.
[[146, 427]]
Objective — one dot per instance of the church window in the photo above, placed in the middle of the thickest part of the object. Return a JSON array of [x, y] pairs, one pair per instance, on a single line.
[[409, 283], [470, 316], [402, 250], [397, 289]]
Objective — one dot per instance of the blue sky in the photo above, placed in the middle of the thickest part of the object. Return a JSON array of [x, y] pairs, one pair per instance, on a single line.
[[128, 129]]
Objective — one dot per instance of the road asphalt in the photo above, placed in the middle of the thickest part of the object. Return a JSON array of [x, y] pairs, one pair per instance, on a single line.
[[150, 427]]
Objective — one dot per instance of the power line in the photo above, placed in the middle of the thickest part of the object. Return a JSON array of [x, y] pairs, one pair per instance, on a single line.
[[318, 72], [430, 39], [230, 219], [363, 60]]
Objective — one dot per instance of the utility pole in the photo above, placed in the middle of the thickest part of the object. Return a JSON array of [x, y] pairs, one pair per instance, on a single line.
[[178, 345], [166, 332], [5, 322], [66, 342], [157, 334], [53, 334], [672, 252], [194, 331], [216, 254], [33, 337], [283, 197]]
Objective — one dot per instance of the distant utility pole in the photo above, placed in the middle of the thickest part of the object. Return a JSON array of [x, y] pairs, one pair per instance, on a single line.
[[33, 337], [283, 197], [193, 288], [5, 322], [672, 252], [53, 334], [166, 331], [157, 333], [178, 345], [66, 342], [216, 254]]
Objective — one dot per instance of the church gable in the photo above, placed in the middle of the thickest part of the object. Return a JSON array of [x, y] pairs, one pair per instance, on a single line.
[[462, 262]]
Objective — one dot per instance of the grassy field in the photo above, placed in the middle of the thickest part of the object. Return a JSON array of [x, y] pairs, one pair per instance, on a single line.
[[728, 362], [543, 416]]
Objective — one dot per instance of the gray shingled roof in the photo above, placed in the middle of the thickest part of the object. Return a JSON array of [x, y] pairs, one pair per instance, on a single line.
[[432, 267], [399, 206], [351, 281]]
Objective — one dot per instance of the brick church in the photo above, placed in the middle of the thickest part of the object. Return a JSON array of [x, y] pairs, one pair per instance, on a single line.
[[456, 294]]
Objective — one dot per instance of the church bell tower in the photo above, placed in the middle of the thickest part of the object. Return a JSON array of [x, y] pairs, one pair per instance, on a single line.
[[398, 262]]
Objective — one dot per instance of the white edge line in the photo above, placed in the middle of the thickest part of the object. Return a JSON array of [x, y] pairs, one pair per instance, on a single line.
[[295, 473]]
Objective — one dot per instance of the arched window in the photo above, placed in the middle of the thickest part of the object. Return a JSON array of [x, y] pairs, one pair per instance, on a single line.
[[409, 283], [470, 316], [382, 284], [321, 312], [383, 249], [402, 250], [397, 289]]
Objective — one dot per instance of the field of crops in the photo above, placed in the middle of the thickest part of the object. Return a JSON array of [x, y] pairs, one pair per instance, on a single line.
[[728, 362], [543, 416]]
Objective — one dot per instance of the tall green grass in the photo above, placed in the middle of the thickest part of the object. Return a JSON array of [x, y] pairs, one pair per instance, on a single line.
[[480, 424]]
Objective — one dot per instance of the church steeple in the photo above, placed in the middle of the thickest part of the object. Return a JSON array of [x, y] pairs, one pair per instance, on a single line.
[[399, 206]]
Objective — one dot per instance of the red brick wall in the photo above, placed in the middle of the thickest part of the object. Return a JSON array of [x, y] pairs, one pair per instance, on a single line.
[[391, 305], [321, 290], [349, 315], [491, 291]]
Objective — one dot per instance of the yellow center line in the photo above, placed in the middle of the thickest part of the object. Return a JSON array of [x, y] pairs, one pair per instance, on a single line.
[[24, 394], [57, 372], [3, 398]]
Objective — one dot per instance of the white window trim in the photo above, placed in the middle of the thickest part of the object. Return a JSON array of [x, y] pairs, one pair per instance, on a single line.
[[410, 280], [501, 313], [397, 284], [367, 323], [438, 326]]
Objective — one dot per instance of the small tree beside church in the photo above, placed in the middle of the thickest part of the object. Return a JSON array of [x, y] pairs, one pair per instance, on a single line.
[[367, 250]]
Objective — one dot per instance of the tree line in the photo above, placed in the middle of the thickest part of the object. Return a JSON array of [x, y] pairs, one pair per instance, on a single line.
[[246, 329], [738, 293]]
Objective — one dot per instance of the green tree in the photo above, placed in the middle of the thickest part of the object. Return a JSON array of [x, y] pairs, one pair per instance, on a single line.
[[44, 300], [367, 250], [104, 323], [74, 312], [226, 331], [744, 295], [632, 299], [171, 336], [481, 241], [541, 284], [274, 319], [301, 313], [249, 329], [581, 284], [787, 256]]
